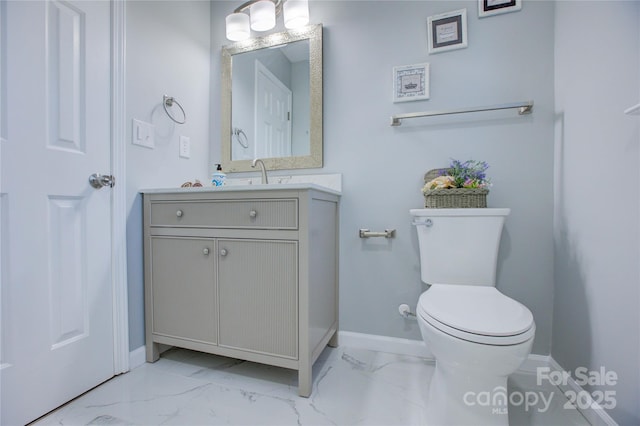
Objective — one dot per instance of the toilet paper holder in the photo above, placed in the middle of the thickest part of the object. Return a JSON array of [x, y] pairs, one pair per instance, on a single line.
[[387, 233]]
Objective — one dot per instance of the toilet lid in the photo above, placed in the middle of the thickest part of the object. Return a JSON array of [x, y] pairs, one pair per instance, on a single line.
[[471, 312]]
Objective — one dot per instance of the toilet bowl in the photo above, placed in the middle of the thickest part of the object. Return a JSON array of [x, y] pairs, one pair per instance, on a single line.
[[477, 335], [476, 347]]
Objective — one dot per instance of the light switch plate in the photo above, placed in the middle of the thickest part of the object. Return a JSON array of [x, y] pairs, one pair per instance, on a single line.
[[142, 134], [185, 147]]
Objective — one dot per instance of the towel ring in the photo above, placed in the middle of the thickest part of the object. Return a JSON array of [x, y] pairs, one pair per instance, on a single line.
[[168, 101], [237, 132]]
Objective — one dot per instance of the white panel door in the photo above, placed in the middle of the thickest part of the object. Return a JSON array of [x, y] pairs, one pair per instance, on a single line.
[[273, 115], [57, 301]]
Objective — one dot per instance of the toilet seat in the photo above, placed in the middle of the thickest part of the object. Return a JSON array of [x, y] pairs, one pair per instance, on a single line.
[[477, 314]]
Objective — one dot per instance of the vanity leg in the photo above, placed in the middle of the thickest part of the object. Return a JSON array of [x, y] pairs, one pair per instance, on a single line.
[[333, 342], [305, 382], [153, 352]]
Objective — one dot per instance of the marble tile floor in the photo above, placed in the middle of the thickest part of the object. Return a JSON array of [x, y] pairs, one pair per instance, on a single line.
[[351, 387]]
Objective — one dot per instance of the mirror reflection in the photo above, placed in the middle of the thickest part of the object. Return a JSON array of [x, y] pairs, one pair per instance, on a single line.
[[270, 113], [272, 101]]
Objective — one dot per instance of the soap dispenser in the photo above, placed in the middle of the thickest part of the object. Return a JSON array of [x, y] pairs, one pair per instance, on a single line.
[[218, 177]]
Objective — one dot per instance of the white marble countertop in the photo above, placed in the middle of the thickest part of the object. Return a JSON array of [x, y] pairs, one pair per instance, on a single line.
[[257, 187], [329, 183]]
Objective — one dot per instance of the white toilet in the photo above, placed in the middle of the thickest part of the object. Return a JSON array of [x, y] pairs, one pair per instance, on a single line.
[[477, 335]]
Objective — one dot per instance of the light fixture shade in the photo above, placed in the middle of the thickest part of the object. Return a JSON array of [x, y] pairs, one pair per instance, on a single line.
[[263, 15], [238, 26], [296, 13]]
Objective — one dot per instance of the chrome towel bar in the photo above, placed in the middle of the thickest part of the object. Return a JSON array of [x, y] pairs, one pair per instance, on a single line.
[[634, 110], [525, 107]]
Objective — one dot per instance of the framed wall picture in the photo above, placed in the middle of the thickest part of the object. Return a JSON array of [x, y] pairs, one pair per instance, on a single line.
[[447, 31], [410, 82], [496, 7]]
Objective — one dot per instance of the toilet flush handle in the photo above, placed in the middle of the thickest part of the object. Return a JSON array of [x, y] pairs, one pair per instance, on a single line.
[[427, 222]]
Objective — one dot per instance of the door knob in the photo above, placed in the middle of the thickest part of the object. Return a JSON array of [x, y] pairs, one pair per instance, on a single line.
[[97, 180]]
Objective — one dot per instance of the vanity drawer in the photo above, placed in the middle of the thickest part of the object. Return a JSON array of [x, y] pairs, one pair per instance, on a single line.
[[263, 214]]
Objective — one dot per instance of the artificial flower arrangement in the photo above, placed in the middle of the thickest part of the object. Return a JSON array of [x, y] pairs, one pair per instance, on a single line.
[[461, 185]]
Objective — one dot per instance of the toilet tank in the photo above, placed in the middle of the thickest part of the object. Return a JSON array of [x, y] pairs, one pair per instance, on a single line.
[[459, 246]]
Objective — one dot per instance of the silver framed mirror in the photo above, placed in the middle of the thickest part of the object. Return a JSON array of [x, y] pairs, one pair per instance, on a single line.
[[272, 101]]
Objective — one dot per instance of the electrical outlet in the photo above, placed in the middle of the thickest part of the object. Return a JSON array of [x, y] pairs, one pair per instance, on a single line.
[[185, 147], [142, 134]]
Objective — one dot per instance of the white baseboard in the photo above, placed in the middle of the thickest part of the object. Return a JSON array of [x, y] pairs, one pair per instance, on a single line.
[[137, 357], [377, 343], [533, 362], [594, 413]]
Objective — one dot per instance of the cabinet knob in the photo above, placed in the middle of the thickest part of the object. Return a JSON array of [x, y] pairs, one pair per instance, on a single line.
[[179, 213], [223, 252], [205, 251], [253, 213]]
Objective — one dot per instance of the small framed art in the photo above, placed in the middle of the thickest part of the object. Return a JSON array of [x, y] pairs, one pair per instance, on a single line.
[[410, 82], [447, 31], [496, 7]]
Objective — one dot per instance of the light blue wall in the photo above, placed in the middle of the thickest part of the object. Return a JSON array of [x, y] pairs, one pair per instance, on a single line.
[[509, 58], [167, 53], [597, 298]]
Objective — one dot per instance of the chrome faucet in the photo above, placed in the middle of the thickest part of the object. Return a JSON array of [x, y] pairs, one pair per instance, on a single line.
[[265, 180]]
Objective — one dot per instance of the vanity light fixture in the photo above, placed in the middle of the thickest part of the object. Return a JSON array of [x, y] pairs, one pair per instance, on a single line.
[[262, 17]]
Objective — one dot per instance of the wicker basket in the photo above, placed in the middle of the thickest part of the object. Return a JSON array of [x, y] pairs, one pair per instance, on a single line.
[[453, 198]]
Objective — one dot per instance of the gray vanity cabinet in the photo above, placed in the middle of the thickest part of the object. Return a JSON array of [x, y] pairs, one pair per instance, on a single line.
[[184, 302], [249, 274], [258, 290]]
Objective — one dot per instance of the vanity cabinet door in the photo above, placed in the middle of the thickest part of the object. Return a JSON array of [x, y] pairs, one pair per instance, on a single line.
[[258, 291], [183, 293]]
